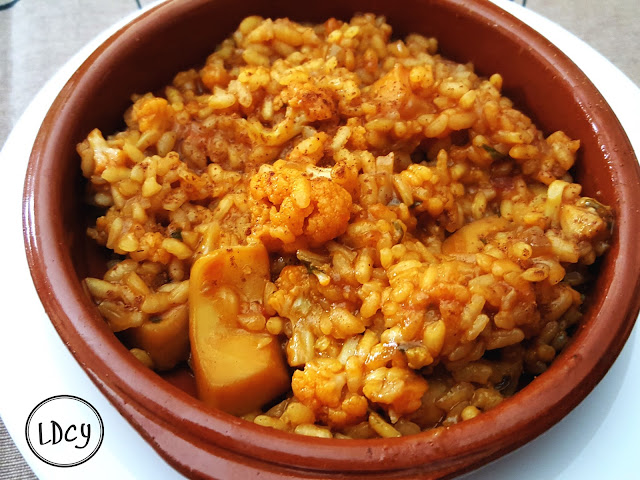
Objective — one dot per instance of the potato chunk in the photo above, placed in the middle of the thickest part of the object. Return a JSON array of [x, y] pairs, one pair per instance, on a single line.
[[165, 338], [472, 237], [235, 370]]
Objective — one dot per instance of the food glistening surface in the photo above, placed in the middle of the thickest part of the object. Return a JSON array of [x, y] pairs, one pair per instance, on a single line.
[[342, 233]]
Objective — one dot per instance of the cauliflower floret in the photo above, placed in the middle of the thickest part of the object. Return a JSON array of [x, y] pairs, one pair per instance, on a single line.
[[97, 155], [316, 102], [301, 208], [558, 157], [322, 386], [152, 113], [398, 389]]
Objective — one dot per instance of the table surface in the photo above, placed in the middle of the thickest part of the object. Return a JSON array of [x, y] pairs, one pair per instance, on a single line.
[[39, 36]]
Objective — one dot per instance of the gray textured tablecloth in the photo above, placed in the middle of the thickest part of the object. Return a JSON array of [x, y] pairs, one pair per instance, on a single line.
[[38, 36]]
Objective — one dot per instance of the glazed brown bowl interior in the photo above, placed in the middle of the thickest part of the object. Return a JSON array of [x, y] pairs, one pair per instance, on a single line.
[[202, 442]]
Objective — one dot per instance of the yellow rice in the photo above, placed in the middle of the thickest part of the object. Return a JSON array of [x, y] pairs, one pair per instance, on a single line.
[[428, 244]]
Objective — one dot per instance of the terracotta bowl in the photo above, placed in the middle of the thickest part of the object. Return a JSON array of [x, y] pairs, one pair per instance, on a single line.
[[201, 442]]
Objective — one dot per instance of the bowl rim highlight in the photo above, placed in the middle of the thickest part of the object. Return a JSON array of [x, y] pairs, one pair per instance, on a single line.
[[177, 425]]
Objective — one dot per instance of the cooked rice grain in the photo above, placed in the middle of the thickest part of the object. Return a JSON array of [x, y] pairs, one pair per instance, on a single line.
[[428, 244]]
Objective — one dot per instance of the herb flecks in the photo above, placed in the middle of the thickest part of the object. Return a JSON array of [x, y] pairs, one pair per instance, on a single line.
[[310, 267], [495, 154]]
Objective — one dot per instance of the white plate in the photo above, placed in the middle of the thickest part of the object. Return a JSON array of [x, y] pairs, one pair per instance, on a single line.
[[599, 439]]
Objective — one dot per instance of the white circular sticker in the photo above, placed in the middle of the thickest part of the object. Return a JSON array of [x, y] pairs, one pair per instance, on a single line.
[[64, 431]]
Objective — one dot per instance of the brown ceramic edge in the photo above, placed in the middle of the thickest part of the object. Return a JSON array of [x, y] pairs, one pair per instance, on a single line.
[[33, 243]]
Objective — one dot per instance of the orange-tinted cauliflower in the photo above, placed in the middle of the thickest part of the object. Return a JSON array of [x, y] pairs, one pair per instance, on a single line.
[[316, 102], [152, 113], [322, 386], [301, 207], [397, 389]]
